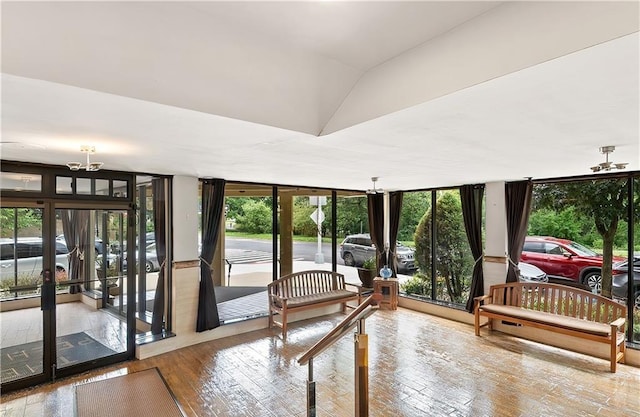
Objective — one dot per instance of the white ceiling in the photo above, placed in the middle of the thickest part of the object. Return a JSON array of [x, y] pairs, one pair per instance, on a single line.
[[324, 93]]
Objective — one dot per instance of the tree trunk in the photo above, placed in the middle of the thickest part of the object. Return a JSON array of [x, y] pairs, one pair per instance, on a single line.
[[608, 235]]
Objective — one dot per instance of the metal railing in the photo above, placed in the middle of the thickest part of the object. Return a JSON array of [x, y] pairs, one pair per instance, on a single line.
[[361, 343]]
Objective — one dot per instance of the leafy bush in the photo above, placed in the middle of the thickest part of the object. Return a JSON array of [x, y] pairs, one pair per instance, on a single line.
[[370, 264], [256, 217], [453, 256], [419, 284]]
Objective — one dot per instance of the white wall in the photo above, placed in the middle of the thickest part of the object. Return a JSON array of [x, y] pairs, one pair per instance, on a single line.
[[185, 218]]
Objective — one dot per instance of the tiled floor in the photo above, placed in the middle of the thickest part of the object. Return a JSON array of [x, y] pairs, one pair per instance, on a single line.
[[419, 365]]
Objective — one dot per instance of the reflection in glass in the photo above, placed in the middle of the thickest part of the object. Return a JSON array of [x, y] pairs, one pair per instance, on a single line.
[[120, 188], [102, 187], [63, 185], [20, 181], [83, 186]]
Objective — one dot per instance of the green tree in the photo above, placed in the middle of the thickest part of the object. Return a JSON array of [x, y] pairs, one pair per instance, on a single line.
[[28, 221], [602, 200], [302, 223], [353, 216], [236, 205], [256, 217], [414, 205], [566, 223], [453, 256]]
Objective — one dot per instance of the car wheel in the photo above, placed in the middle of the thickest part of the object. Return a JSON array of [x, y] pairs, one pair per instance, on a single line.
[[636, 300], [593, 280], [148, 267], [348, 259]]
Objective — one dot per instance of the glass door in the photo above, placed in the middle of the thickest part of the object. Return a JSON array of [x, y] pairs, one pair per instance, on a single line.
[[64, 293], [22, 339], [94, 325]]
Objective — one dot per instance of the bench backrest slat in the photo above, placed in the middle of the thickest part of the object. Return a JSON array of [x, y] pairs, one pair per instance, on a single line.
[[306, 283], [558, 299]]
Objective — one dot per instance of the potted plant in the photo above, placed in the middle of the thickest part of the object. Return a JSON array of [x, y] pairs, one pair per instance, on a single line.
[[111, 278], [368, 272]]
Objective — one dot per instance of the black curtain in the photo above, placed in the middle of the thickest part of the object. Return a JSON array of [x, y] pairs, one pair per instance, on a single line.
[[212, 212], [375, 208], [395, 206], [74, 225], [471, 198], [160, 232], [518, 201]]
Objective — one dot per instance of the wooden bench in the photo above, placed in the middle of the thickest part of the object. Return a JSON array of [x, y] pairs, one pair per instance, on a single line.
[[557, 308], [306, 290]]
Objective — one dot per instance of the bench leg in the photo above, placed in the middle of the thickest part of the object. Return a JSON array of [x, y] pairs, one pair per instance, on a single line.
[[477, 323], [614, 353], [615, 356], [284, 323]]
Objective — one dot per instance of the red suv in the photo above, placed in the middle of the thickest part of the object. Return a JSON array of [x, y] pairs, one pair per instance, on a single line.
[[564, 259]]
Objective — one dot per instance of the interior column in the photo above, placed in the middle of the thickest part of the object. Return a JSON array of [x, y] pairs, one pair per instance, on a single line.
[[495, 260], [286, 233]]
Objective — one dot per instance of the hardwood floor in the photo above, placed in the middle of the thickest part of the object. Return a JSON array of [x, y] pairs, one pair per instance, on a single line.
[[419, 365]]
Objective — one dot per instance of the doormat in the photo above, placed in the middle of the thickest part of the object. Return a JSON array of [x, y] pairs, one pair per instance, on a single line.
[[140, 394], [24, 360]]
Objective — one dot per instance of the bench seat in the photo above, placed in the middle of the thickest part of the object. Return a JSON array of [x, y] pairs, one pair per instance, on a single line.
[[570, 323], [305, 300]]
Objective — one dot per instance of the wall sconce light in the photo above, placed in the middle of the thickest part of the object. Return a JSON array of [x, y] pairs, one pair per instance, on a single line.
[[90, 166]]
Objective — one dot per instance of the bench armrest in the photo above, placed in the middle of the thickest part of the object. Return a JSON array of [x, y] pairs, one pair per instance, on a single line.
[[482, 297], [618, 323], [357, 286], [275, 298]]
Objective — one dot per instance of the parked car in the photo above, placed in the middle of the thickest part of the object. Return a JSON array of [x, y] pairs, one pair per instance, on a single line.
[[98, 245], [151, 262], [620, 280], [356, 249], [118, 247], [24, 257], [531, 273], [563, 259]]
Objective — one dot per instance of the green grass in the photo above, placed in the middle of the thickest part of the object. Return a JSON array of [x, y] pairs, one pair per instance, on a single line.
[[268, 236], [616, 252]]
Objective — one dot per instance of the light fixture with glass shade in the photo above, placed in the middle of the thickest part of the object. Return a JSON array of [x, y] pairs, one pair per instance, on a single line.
[[90, 166], [607, 165]]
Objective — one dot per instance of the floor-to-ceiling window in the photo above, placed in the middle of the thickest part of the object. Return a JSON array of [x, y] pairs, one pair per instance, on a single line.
[[442, 252], [579, 235]]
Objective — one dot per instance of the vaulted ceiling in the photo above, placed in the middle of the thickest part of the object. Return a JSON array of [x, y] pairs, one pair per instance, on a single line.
[[324, 93]]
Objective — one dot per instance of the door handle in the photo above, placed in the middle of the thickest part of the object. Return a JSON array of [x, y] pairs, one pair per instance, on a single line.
[[48, 292]]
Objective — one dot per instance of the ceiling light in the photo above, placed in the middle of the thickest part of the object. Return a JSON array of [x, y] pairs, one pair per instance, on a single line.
[[606, 165], [90, 166], [374, 190]]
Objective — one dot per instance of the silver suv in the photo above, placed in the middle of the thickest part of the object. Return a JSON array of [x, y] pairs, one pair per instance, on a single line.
[[23, 259], [355, 249]]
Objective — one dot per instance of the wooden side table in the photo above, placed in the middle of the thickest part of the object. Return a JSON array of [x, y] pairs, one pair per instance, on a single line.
[[389, 290]]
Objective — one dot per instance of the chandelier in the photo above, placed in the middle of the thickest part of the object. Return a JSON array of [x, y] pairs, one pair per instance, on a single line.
[[374, 190], [90, 166], [606, 165]]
